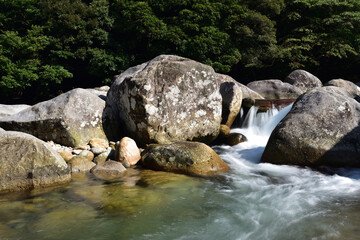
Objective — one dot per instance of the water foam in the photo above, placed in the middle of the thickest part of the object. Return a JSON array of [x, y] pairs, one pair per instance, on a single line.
[[283, 201]]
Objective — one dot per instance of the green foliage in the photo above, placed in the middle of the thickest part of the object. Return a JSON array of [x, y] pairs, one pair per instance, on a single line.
[[48, 46], [21, 62], [219, 33], [320, 34]]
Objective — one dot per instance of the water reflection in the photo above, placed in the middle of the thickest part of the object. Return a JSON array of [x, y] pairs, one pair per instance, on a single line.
[[253, 201]]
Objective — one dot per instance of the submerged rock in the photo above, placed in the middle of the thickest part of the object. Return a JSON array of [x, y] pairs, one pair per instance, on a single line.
[[303, 80], [27, 162], [275, 89], [108, 171], [322, 128], [167, 99], [70, 119], [231, 98], [191, 158]]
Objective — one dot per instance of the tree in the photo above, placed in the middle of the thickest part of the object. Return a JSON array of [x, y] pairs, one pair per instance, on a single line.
[[322, 36], [218, 33], [21, 52]]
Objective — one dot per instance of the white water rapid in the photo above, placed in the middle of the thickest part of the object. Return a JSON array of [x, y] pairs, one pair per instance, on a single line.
[[254, 201], [286, 202]]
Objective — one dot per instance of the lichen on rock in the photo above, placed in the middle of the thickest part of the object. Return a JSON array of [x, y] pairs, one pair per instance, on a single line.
[[168, 99]]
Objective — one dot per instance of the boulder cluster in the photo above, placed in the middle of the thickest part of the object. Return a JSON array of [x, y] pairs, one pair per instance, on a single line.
[[172, 107]]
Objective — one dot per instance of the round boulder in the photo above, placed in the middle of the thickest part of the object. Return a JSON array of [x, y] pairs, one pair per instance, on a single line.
[[348, 86], [275, 89], [303, 80], [27, 162], [127, 152], [168, 99], [322, 128], [192, 158], [234, 138], [108, 171]]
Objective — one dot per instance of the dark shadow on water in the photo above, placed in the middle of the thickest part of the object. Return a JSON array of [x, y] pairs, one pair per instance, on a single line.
[[353, 173]]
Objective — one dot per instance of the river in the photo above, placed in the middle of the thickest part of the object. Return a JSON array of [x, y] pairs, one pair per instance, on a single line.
[[253, 201]]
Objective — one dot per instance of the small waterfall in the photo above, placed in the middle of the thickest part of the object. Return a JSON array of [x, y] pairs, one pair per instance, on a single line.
[[257, 128], [257, 120], [263, 123]]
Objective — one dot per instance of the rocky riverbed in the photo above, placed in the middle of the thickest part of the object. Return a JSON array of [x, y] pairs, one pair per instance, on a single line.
[[164, 115]]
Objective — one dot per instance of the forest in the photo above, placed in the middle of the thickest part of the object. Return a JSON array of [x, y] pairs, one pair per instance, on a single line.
[[50, 46]]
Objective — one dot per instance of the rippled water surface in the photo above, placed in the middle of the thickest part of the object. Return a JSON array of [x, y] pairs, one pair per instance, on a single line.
[[253, 201]]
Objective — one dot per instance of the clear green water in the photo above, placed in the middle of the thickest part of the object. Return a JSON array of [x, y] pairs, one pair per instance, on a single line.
[[279, 203], [253, 201]]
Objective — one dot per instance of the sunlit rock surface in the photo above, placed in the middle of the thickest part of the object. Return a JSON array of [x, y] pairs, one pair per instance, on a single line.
[[348, 86], [192, 158], [322, 128], [167, 99], [231, 94], [27, 162], [6, 110], [303, 80], [71, 119]]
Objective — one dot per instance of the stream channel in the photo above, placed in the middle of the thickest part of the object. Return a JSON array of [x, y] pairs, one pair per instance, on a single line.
[[253, 201]]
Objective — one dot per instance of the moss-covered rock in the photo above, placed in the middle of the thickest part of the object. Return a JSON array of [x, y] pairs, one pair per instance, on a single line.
[[191, 158], [27, 162]]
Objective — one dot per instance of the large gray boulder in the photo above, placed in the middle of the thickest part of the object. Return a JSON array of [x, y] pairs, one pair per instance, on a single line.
[[303, 80], [70, 119], [27, 162], [275, 89], [167, 99], [6, 110], [348, 86], [192, 158], [231, 98], [322, 128]]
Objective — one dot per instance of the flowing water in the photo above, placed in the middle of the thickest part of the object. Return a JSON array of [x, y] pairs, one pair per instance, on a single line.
[[253, 201]]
